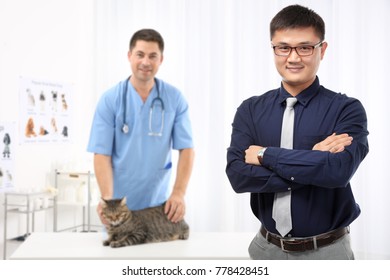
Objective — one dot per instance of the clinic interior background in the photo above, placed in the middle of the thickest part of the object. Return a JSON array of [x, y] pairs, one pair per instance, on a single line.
[[218, 53]]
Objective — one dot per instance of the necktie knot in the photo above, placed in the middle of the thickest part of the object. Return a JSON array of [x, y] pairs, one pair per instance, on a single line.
[[291, 102]]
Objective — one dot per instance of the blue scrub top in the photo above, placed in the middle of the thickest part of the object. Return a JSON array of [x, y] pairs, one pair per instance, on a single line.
[[141, 163]]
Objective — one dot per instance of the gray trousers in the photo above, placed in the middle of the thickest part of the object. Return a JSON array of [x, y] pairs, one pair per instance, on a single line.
[[261, 249]]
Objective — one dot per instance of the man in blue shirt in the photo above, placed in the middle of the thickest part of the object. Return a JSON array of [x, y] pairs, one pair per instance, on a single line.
[[136, 125], [329, 143]]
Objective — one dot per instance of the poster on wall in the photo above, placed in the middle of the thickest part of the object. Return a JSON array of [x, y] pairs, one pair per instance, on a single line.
[[7, 155], [45, 111]]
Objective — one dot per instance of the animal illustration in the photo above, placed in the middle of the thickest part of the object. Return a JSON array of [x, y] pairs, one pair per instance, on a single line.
[[30, 98], [128, 228], [54, 100], [65, 131], [7, 142], [30, 128], [43, 131], [8, 176], [1, 178], [64, 103], [54, 125], [42, 99]]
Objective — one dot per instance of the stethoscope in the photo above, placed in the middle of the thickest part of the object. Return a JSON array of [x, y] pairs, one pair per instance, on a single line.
[[125, 127]]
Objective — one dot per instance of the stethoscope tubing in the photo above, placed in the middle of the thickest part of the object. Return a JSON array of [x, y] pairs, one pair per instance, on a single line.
[[125, 127]]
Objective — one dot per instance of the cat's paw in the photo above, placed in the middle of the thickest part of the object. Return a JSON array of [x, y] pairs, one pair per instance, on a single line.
[[116, 244], [106, 242], [184, 235]]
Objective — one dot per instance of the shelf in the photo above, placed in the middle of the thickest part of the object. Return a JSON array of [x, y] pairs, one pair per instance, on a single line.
[[29, 194], [67, 203], [73, 174], [29, 211], [68, 197]]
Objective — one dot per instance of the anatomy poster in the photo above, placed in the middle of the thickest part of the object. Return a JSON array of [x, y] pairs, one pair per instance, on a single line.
[[45, 111], [7, 155]]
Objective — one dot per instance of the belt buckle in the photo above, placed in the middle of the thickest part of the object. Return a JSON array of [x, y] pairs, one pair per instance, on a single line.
[[282, 240], [282, 245], [313, 239]]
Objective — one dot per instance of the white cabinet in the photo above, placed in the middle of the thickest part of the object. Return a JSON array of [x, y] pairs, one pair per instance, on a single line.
[[75, 189]]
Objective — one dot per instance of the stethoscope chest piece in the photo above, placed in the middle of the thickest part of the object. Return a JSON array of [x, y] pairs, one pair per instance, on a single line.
[[125, 128]]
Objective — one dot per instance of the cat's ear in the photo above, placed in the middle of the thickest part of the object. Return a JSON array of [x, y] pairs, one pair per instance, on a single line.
[[103, 201], [123, 201]]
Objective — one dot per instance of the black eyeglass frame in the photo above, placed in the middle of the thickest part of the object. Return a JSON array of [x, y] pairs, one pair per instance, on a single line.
[[312, 47]]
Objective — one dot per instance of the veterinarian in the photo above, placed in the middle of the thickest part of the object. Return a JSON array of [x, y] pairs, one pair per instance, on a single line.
[[136, 125], [296, 148]]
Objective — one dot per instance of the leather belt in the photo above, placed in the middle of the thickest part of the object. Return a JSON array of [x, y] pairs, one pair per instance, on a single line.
[[303, 244]]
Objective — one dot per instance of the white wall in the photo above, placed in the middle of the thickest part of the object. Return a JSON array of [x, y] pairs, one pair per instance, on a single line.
[[218, 54], [52, 41]]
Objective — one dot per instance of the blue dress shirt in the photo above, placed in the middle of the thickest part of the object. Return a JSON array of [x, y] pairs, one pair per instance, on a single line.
[[321, 197]]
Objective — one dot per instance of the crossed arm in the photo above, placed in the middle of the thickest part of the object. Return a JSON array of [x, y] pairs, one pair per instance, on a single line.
[[333, 144]]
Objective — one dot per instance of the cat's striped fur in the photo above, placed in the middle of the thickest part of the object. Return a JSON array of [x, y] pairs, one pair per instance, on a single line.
[[142, 226]]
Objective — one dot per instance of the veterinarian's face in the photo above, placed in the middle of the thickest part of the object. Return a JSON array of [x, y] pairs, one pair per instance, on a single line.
[[145, 59]]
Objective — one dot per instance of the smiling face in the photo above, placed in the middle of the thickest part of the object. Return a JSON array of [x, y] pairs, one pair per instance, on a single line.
[[145, 59], [298, 72]]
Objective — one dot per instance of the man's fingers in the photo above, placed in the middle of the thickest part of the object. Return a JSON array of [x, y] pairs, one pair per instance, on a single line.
[[175, 213], [334, 143]]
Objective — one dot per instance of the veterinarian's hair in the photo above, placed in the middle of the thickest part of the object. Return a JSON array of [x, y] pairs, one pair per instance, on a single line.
[[148, 35]]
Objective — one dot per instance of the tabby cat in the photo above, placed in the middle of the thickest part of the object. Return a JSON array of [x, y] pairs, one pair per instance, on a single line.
[[142, 226]]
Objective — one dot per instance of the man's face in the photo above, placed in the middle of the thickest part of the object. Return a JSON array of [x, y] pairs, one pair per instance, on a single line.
[[298, 72], [145, 59]]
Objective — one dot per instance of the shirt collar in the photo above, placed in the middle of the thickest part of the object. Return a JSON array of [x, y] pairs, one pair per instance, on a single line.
[[304, 96]]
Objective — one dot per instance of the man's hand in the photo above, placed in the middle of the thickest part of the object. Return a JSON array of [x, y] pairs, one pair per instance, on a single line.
[[334, 143], [175, 208], [99, 211], [251, 155]]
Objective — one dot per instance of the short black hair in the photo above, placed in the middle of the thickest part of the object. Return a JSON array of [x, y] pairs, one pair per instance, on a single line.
[[296, 16], [148, 35]]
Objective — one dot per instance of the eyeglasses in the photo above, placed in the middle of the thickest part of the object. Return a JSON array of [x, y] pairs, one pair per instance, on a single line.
[[303, 50]]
